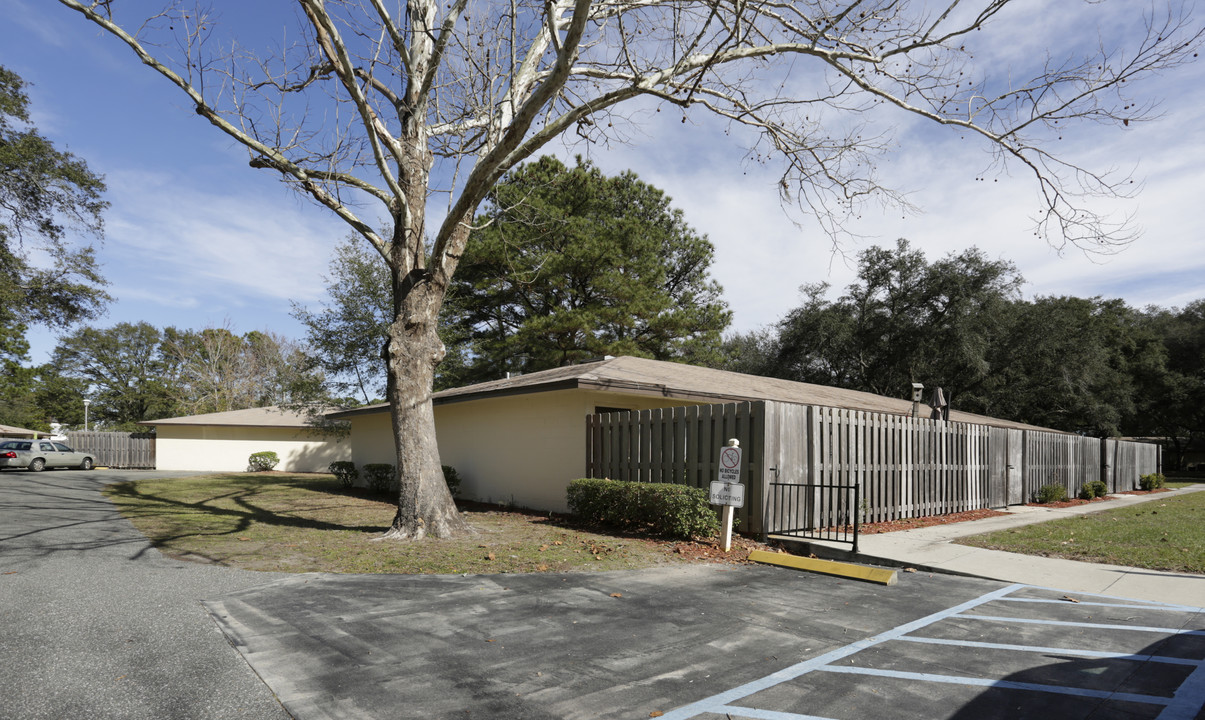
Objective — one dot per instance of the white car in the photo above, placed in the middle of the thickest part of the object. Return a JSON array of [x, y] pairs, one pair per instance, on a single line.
[[40, 454]]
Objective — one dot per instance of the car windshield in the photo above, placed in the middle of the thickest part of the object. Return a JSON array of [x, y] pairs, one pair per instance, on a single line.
[[9, 446], [62, 448]]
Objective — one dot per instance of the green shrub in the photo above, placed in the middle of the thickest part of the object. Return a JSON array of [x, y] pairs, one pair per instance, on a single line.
[[666, 509], [452, 478], [1094, 489], [1154, 481], [380, 476], [1050, 493], [261, 461], [345, 472]]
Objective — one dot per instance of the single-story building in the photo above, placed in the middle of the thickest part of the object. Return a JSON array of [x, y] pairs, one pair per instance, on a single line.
[[10, 431], [521, 440], [222, 442]]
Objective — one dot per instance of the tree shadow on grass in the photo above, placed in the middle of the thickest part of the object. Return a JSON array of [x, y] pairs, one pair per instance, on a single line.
[[254, 500]]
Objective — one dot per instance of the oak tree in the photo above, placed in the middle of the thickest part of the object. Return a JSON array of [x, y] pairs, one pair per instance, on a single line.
[[48, 198], [125, 367], [383, 104]]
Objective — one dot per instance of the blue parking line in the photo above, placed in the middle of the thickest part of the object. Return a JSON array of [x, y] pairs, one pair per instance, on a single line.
[[1055, 650]]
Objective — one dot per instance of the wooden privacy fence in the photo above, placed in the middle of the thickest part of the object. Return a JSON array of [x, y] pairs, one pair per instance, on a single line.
[[904, 467], [115, 449]]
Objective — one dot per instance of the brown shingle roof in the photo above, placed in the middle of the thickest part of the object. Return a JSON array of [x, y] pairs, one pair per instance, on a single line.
[[641, 376]]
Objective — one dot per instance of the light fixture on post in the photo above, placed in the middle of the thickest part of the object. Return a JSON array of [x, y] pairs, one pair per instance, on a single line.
[[87, 402]]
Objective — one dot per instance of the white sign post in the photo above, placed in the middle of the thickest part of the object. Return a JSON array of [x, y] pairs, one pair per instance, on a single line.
[[728, 490]]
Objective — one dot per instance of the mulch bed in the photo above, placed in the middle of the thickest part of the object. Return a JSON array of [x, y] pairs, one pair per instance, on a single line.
[[914, 523], [1077, 501]]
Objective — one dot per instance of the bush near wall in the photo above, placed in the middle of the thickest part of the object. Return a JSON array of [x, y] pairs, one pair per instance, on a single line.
[[1050, 494], [1154, 481], [666, 509], [380, 476], [261, 461], [452, 478], [345, 472]]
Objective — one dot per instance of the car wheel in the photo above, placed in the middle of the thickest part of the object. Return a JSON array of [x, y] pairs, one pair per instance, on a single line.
[[86, 464], [37, 465]]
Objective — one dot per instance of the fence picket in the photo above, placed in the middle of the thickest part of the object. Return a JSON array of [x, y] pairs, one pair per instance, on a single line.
[[115, 449], [904, 467]]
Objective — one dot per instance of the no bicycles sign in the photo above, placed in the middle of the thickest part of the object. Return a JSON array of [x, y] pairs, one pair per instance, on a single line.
[[727, 490], [730, 464]]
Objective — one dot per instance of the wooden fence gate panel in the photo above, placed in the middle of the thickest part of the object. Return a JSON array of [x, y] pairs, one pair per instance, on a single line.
[[679, 445], [115, 449]]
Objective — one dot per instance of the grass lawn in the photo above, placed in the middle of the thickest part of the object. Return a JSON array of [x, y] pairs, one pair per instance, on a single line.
[[308, 523], [1157, 535]]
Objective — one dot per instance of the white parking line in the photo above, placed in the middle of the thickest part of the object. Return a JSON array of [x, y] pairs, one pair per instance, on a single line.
[[1055, 650], [1068, 623], [998, 684], [1183, 705]]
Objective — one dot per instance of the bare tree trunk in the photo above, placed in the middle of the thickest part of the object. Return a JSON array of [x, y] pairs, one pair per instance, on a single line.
[[425, 505]]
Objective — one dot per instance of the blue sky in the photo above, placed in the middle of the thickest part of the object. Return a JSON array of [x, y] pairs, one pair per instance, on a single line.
[[194, 237]]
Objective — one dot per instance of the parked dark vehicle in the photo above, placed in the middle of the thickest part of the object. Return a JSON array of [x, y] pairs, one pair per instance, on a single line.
[[38, 455]]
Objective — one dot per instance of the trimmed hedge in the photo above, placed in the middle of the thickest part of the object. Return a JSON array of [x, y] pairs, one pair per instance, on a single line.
[[380, 476], [345, 472], [1094, 489], [1050, 493], [261, 461], [665, 508], [1154, 481]]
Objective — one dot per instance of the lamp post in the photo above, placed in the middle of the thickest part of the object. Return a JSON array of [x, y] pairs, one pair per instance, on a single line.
[[87, 402]]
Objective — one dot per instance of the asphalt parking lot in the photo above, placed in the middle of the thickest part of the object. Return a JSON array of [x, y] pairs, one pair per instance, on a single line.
[[97, 624], [713, 642], [1017, 652]]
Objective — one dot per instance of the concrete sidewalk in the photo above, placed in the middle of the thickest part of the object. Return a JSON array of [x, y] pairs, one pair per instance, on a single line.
[[933, 548]]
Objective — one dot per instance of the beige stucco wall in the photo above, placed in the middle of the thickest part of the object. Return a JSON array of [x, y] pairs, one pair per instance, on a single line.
[[522, 449], [226, 449]]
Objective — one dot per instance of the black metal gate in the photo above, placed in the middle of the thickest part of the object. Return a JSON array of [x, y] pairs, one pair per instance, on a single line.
[[815, 512]]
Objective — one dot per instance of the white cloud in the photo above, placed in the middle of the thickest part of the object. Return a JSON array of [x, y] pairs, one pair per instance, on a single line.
[[259, 245]]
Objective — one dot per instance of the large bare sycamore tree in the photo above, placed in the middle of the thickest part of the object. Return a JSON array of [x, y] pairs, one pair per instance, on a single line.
[[378, 109]]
